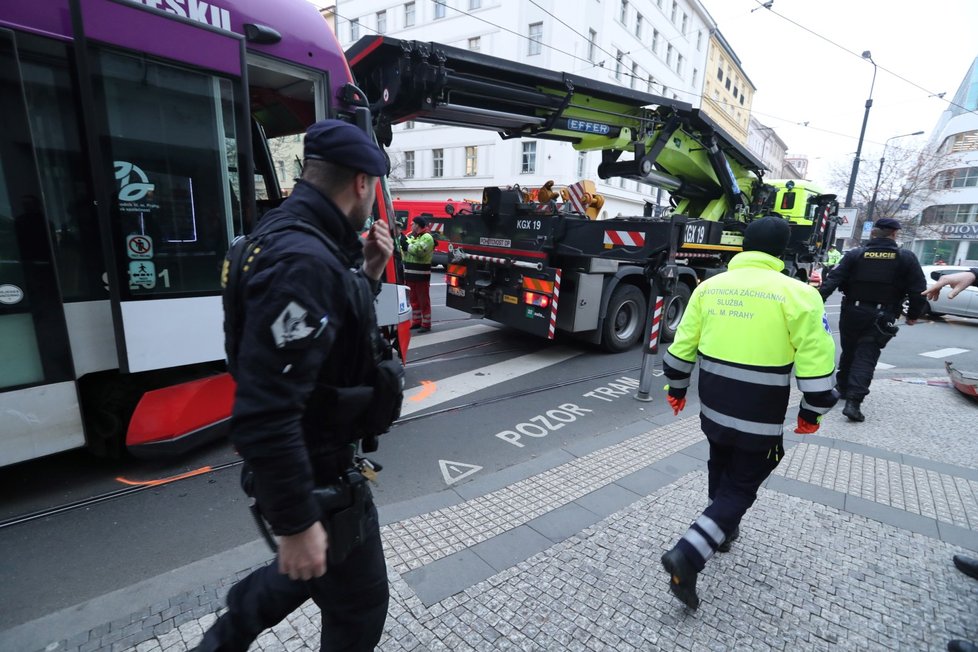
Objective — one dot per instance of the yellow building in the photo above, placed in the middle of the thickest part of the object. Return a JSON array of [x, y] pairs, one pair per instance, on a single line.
[[727, 91]]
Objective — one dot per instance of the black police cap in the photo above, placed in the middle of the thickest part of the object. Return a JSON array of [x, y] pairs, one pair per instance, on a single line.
[[769, 234], [888, 223], [420, 221], [342, 143]]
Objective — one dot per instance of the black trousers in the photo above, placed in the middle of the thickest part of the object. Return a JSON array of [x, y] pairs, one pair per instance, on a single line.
[[352, 596], [735, 475], [860, 351]]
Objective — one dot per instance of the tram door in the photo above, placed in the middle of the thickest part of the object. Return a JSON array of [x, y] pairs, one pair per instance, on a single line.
[[37, 392]]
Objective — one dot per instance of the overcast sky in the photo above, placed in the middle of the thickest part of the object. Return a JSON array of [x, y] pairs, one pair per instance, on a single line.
[[801, 77]]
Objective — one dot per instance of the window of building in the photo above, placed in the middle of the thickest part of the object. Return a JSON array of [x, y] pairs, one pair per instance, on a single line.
[[669, 51], [581, 164], [675, 11], [623, 14], [964, 142], [736, 92], [437, 162], [529, 162], [475, 4], [741, 99], [536, 39], [634, 78], [354, 29], [475, 43], [720, 73], [949, 213], [716, 96], [618, 57], [699, 40], [665, 89], [471, 161], [727, 84], [439, 9], [409, 14], [696, 77], [960, 178], [408, 165], [655, 41], [381, 22], [592, 44], [684, 24], [638, 25], [679, 64], [651, 86]]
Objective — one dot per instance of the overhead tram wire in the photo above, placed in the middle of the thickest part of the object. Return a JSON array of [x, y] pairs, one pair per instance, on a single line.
[[859, 56]]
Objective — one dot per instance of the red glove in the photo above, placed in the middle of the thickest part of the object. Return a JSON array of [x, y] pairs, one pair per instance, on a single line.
[[677, 404], [806, 427]]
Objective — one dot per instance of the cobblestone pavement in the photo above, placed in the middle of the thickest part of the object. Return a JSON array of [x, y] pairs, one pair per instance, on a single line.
[[848, 547]]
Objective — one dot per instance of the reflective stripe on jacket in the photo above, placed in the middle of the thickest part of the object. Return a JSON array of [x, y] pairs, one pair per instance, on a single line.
[[749, 328]]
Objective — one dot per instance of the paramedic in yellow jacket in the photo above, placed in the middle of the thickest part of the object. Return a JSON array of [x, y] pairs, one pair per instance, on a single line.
[[748, 328]]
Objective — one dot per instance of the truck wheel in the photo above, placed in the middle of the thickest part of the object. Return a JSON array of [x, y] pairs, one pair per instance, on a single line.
[[625, 319], [674, 310]]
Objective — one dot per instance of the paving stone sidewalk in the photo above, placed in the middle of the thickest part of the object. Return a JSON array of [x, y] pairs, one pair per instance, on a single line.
[[848, 547]]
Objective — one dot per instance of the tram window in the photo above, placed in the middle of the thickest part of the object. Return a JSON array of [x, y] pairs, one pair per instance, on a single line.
[[171, 162], [787, 201], [68, 202]]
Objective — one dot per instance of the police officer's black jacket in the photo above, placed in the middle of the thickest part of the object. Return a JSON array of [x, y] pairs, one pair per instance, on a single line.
[[301, 336], [879, 272]]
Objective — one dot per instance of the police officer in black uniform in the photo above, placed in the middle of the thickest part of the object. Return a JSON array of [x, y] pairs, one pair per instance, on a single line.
[[304, 348], [875, 279]]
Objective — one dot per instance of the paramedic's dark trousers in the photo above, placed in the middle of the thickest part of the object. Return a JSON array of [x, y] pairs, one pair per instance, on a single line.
[[735, 475], [353, 598], [860, 351]]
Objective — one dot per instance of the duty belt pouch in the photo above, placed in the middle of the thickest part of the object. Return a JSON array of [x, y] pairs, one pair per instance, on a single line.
[[344, 509], [886, 330]]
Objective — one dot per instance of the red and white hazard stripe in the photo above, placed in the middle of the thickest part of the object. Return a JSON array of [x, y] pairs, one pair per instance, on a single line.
[[553, 305], [624, 238], [656, 325], [576, 192], [438, 227]]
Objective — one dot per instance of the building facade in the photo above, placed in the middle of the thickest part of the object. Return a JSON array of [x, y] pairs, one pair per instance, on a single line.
[[946, 224], [658, 46], [766, 145], [727, 91]]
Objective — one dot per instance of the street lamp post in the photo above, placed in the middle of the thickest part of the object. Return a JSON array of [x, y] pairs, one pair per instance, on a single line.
[[862, 132], [879, 174]]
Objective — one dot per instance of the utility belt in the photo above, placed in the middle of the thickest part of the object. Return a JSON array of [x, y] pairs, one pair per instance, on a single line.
[[868, 304], [344, 505]]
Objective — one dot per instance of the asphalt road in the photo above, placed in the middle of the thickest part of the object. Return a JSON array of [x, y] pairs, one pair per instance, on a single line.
[[515, 397]]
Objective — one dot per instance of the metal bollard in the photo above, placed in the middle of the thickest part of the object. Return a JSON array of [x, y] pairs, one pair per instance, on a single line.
[[650, 348]]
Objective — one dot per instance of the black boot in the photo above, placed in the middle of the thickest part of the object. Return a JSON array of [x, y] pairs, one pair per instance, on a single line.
[[728, 542], [852, 411], [682, 577], [958, 645], [967, 565]]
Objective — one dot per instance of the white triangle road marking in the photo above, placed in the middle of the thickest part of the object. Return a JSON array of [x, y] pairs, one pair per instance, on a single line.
[[455, 471], [882, 366]]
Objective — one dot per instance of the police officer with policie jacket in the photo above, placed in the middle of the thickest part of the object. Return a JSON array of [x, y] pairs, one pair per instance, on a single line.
[[875, 279], [748, 329], [314, 378]]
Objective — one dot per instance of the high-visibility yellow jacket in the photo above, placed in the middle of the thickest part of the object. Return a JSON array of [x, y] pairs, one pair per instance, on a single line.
[[749, 327], [418, 253]]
